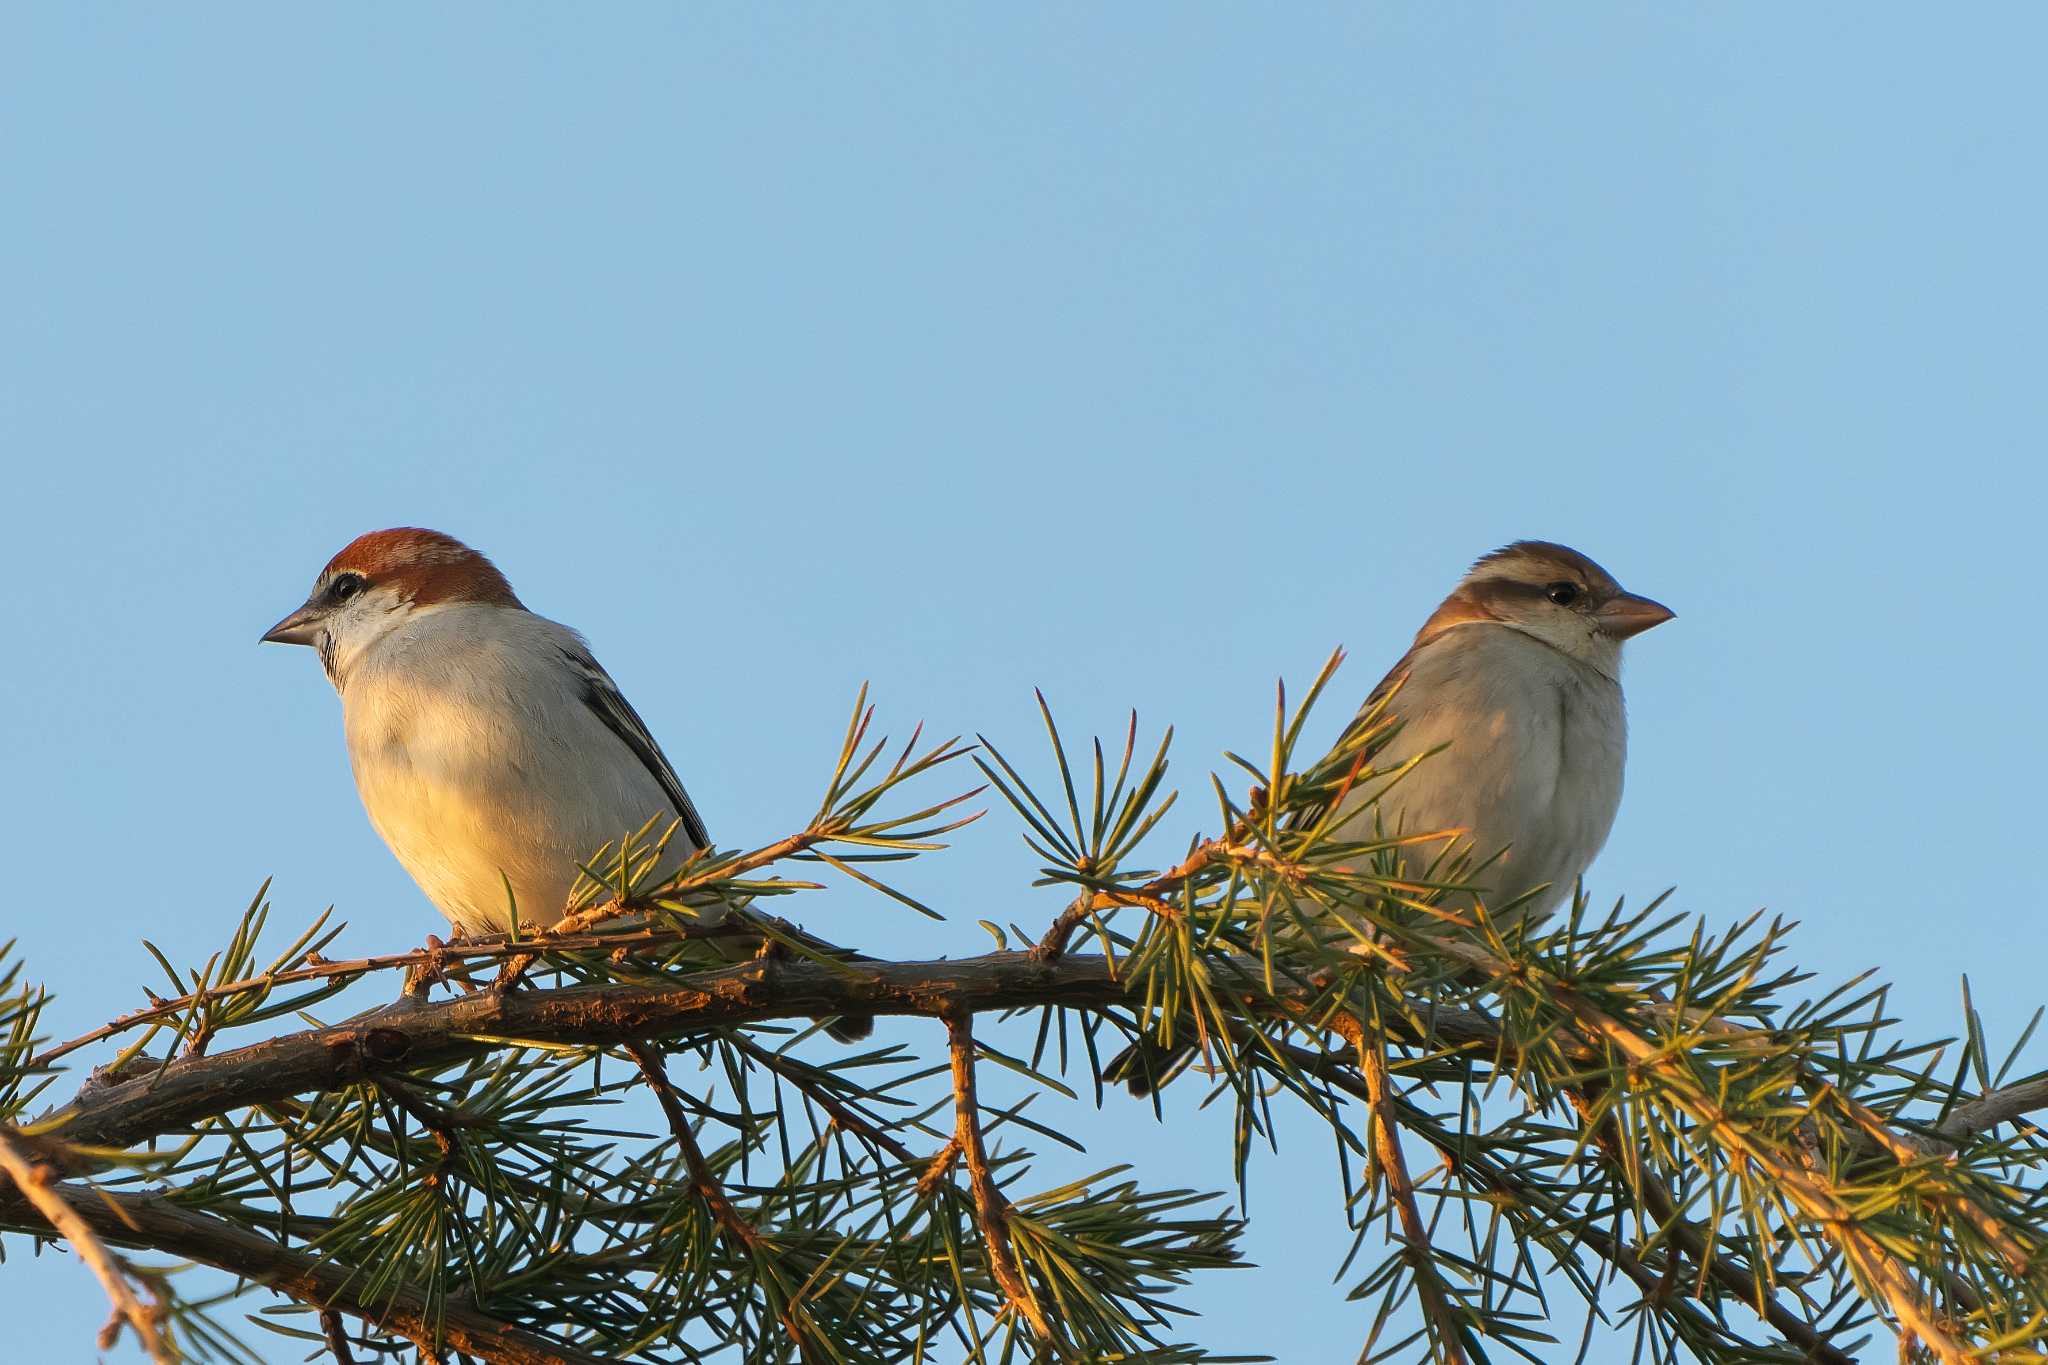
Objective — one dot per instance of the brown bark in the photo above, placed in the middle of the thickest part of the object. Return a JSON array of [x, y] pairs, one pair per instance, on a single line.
[[149, 1223]]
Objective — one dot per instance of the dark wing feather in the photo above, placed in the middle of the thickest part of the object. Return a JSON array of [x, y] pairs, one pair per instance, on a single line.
[[609, 705]]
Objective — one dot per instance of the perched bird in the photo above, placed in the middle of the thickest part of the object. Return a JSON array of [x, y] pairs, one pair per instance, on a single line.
[[492, 752], [1518, 673]]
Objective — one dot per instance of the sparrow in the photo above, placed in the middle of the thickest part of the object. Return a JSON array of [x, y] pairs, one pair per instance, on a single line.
[[491, 750], [1516, 678]]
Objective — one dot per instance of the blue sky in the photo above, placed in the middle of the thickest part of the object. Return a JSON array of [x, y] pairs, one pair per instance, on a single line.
[[1141, 354]]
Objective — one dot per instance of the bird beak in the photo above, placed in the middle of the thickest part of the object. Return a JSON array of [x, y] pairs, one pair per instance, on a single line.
[[302, 627], [1629, 614]]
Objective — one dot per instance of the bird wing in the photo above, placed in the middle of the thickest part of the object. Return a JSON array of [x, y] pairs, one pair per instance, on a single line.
[[609, 705], [1394, 675], [1309, 817]]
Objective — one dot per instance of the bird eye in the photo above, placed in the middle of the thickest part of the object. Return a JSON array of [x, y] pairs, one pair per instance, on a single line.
[[345, 586], [1564, 594]]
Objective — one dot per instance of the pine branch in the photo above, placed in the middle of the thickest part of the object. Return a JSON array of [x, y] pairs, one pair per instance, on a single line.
[[745, 1236], [151, 1223], [32, 1179], [991, 1209], [1445, 1327], [1994, 1108], [317, 968], [336, 1333]]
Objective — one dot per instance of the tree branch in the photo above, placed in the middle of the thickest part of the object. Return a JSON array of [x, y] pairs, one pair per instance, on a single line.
[[316, 968], [1664, 1209], [32, 1177], [151, 1223], [332, 1328], [842, 1114], [1812, 1192], [1608, 1141], [707, 1185], [710, 1189], [1993, 1108], [1386, 1142], [190, 1090], [991, 1208]]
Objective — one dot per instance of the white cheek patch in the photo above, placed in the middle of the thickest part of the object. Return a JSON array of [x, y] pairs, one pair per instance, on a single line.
[[1576, 637], [357, 628]]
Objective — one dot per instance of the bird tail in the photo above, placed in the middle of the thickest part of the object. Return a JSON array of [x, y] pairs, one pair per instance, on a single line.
[[849, 1028], [1147, 1064]]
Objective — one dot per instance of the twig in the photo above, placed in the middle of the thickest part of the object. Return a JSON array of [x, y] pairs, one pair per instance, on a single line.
[[841, 1113], [337, 1337], [325, 970], [1993, 1108], [32, 1178], [1052, 944], [714, 872], [991, 1208], [711, 1190], [187, 1090], [1812, 1192], [707, 1185], [1664, 1210], [1795, 1329], [940, 1168], [1228, 848], [1908, 1150], [156, 1224], [1386, 1141]]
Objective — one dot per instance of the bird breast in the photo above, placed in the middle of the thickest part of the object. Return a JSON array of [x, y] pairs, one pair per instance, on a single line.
[[481, 766], [1536, 743]]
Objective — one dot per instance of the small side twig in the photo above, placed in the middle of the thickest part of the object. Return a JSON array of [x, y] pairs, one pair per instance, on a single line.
[[707, 1185], [710, 872], [991, 1208], [32, 1178], [317, 968], [1052, 944], [1152, 896], [1993, 1108], [732, 1223], [1386, 1143], [1734, 1281], [841, 1114], [337, 1337], [940, 1167]]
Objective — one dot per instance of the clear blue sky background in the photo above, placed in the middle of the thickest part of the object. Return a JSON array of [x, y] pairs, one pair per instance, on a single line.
[[1142, 354]]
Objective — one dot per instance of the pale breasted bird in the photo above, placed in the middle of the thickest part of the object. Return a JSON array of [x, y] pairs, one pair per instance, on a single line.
[[491, 750], [1517, 674]]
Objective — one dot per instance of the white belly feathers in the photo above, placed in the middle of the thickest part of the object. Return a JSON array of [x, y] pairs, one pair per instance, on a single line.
[[1549, 800], [482, 780]]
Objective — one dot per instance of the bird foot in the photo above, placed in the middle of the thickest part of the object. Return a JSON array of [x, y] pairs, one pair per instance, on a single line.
[[422, 975]]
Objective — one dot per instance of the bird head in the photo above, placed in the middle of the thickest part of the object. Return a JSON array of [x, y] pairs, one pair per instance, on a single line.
[[1556, 595], [377, 582]]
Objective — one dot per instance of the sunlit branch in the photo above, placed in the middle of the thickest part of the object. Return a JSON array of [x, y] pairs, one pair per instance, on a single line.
[[1393, 1166], [152, 1223], [32, 1178], [992, 1210]]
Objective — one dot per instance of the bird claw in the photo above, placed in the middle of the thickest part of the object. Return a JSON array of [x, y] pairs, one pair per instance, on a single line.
[[422, 975]]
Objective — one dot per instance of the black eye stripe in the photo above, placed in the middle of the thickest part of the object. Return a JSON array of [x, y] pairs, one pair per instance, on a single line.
[[1562, 593]]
